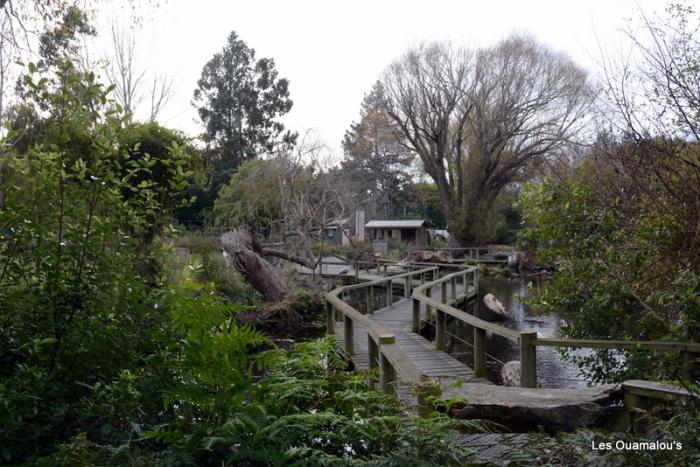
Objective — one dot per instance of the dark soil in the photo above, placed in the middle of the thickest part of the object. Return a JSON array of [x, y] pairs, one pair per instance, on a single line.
[[297, 318]]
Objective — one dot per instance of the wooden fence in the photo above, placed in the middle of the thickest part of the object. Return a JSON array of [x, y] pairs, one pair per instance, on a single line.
[[384, 353], [527, 340]]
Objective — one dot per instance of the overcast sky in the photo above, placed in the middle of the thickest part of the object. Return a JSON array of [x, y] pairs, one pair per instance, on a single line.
[[332, 52]]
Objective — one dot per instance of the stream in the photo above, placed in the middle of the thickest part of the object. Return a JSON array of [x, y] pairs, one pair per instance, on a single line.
[[552, 371]]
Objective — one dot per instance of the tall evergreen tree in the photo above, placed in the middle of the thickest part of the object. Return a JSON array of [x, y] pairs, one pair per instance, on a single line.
[[375, 160], [239, 100]]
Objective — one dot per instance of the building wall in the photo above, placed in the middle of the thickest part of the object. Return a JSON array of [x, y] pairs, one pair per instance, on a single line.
[[417, 236]]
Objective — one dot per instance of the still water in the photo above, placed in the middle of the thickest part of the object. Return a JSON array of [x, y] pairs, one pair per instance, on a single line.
[[552, 371]]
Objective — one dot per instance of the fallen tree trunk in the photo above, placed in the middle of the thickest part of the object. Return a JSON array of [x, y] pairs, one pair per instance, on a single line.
[[245, 255], [289, 257]]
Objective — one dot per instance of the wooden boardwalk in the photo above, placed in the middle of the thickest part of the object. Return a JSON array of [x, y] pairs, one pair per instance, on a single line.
[[414, 368], [397, 318]]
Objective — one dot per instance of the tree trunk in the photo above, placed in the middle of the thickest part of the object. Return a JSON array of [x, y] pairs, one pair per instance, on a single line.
[[470, 221], [245, 256]]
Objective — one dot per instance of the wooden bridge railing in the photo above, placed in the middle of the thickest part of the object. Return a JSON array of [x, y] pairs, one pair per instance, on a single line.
[[384, 353], [394, 359], [685, 349], [444, 308], [527, 340]]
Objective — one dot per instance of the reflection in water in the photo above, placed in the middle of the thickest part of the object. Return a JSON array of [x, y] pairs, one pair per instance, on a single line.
[[552, 372]]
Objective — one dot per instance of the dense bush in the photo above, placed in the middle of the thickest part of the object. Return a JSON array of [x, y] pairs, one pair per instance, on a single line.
[[104, 361], [205, 255], [626, 266], [575, 449]]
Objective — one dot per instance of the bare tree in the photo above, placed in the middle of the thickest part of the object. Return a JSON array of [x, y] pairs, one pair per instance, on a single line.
[[129, 78], [161, 94], [480, 120], [123, 72], [307, 194], [315, 197], [652, 111]]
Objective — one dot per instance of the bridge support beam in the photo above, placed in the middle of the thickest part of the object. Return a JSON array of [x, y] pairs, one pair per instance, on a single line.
[[528, 360], [440, 332], [387, 373], [407, 286], [348, 331], [373, 351], [453, 285], [428, 308], [389, 293], [370, 299], [330, 318], [415, 322], [479, 352]]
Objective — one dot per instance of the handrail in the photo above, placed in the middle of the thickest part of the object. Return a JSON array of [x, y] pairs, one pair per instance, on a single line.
[[459, 314], [422, 294], [383, 350], [619, 344], [394, 358]]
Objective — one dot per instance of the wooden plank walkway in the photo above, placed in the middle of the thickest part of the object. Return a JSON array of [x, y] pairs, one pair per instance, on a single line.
[[439, 365], [397, 318], [448, 370]]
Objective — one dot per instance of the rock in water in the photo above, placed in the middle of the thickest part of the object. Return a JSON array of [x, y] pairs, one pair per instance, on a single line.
[[510, 374], [497, 307]]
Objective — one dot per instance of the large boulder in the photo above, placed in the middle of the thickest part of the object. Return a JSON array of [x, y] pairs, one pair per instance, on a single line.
[[510, 374], [524, 409]]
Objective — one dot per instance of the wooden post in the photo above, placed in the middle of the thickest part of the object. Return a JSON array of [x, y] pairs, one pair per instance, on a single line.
[[389, 293], [440, 321], [479, 352], [422, 278], [428, 308], [443, 290], [330, 318], [370, 299], [357, 272], [407, 286], [415, 323], [476, 281], [386, 267], [387, 373], [453, 284], [373, 350], [528, 360], [349, 348]]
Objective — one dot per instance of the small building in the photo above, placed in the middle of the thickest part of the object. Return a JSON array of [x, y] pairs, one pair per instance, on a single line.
[[338, 231], [411, 232]]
